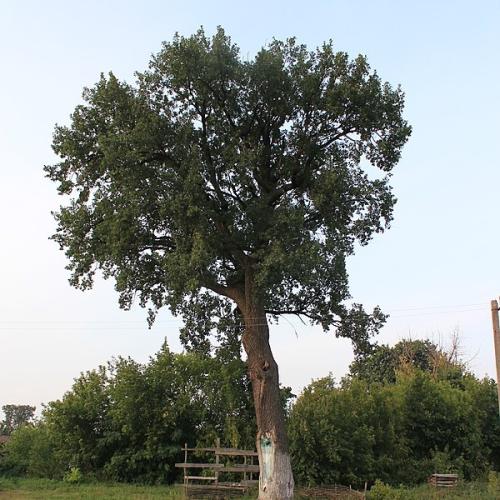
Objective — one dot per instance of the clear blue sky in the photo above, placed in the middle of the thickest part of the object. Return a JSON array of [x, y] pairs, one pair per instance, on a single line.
[[434, 271]]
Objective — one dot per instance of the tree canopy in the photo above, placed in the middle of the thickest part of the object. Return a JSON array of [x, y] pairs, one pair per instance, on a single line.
[[16, 416], [382, 363], [210, 164]]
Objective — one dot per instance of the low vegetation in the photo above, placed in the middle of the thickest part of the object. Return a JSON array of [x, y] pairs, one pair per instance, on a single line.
[[401, 414], [17, 488], [477, 490], [409, 412]]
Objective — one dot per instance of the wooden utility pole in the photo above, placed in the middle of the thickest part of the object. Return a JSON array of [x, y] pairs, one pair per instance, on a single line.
[[496, 340]]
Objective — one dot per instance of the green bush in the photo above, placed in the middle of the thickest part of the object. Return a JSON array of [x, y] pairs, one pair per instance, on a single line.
[[127, 421], [31, 451], [493, 483], [73, 476], [398, 432], [381, 491]]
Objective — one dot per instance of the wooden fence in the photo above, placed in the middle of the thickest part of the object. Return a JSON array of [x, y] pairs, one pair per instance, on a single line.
[[227, 461]]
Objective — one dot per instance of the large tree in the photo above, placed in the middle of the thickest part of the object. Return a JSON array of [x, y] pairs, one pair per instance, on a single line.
[[224, 187]]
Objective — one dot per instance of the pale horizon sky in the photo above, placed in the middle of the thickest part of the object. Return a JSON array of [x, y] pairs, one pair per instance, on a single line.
[[434, 271]]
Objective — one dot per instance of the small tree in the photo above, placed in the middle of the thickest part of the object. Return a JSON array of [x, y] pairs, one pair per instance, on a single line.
[[217, 183]]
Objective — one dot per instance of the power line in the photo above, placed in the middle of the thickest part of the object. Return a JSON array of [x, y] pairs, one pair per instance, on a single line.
[[139, 328], [482, 304], [437, 313], [64, 325]]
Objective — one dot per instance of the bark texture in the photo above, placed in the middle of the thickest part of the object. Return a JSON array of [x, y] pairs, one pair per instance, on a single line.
[[276, 479]]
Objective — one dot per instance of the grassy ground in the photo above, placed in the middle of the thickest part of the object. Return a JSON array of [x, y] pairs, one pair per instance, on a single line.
[[464, 491], [13, 488], [44, 488]]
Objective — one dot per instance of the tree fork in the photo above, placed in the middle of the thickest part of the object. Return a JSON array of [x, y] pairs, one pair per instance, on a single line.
[[276, 478]]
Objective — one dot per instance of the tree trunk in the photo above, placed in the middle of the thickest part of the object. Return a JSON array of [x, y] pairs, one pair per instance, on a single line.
[[276, 479]]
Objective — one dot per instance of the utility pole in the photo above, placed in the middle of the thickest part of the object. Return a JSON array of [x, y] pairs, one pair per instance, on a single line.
[[496, 340]]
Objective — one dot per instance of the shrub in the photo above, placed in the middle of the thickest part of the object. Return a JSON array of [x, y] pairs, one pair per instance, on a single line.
[[493, 483], [73, 476], [382, 491]]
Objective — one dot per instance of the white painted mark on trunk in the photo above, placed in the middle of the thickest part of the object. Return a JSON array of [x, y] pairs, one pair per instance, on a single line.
[[266, 447]]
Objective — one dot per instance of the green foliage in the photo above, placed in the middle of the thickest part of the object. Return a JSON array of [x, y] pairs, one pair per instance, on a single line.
[[329, 439], [381, 491], [16, 416], [381, 363], [127, 421], [493, 483], [212, 168], [444, 463], [333, 438], [484, 397], [73, 476], [32, 451], [399, 433], [80, 422]]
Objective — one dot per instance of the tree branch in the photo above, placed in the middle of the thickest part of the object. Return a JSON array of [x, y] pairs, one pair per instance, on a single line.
[[210, 162], [294, 312], [232, 293]]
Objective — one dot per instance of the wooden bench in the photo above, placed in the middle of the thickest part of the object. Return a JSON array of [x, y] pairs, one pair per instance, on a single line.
[[215, 487]]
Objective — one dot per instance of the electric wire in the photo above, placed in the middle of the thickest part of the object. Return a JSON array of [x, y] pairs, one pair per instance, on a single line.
[[120, 325]]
